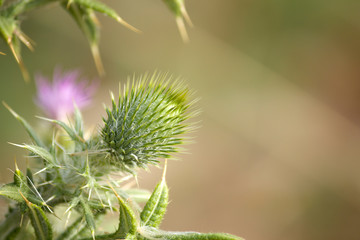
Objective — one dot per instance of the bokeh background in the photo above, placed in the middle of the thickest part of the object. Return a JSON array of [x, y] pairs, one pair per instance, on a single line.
[[278, 153]]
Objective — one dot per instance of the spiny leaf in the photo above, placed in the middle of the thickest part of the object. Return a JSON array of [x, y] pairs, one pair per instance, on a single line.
[[15, 48], [39, 151], [8, 25], [33, 135], [71, 132], [33, 4], [19, 179], [131, 237], [178, 8], [99, 7], [89, 216], [11, 191], [153, 233], [83, 13], [155, 208], [102, 8], [175, 6], [20, 184], [73, 203], [29, 176], [182, 29], [39, 221], [127, 220], [15, 8], [87, 22]]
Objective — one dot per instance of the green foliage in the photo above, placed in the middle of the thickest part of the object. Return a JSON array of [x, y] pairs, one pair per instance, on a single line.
[[127, 220], [153, 233], [39, 221], [41, 152], [20, 189], [147, 122], [178, 8], [82, 11], [175, 6], [33, 135], [87, 22], [155, 208], [89, 216], [69, 176], [72, 230], [75, 133]]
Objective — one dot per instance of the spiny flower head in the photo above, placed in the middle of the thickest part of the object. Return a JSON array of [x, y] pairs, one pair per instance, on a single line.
[[57, 98], [147, 122]]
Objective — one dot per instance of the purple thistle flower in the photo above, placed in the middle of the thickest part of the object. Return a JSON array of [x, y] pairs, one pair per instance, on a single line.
[[57, 98]]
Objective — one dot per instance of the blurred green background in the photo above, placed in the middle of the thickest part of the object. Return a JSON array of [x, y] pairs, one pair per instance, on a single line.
[[278, 153]]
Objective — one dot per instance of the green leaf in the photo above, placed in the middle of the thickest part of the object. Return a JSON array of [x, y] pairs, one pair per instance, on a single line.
[[83, 12], [127, 220], [178, 8], [15, 8], [89, 216], [29, 176], [39, 221], [33, 4], [88, 23], [7, 27], [99, 7], [102, 8], [19, 179], [155, 208], [71, 132], [85, 19], [18, 189], [26, 125], [153, 233], [131, 237], [39, 151], [175, 6], [12, 191]]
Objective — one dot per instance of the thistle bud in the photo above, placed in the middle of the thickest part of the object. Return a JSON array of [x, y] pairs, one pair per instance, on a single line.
[[147, 122]]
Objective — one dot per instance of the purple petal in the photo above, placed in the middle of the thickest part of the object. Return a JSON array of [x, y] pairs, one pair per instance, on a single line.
[[57, 99]]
